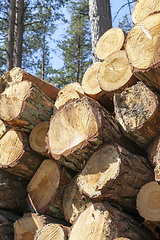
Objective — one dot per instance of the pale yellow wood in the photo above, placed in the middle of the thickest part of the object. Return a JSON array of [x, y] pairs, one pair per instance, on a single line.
[[111, 41], [50, 232]]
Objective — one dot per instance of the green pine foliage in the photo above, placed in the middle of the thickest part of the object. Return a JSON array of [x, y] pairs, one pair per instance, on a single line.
[[75, 46]]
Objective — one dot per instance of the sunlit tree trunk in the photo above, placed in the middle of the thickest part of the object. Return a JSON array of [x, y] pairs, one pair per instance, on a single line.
[[100, 20], [20, 30], [11, 35]]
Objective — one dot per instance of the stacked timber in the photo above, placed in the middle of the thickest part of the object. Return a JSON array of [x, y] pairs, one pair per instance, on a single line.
[[82, 162]]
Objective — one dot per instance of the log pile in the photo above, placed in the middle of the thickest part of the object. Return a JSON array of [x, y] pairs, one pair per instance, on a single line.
[[82, 162]]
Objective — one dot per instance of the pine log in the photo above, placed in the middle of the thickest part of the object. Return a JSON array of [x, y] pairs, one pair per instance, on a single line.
[[12, 192], [37, 138], [111, 41], [115, 175], [16, 156], [4, 127], [22, 105], [91, 86], [46, 188], [115, 73], [143, 8], [73, 201], [153, 156], [148, 204], [6, 227], [52, 231], [70, 91], [137, 109], [17, 75], [143, 50], [102, 221], [77, 130]]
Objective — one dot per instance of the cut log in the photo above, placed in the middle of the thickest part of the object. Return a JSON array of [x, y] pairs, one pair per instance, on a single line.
[[22, 105], [115, 175], [115, 73], [143, 8], [73, 201], [143, 50], [4, 127], [6, 227], [91, 86], [37, 138], [153, 156], [111, 41], [12, 192], [148, 204], [46, 188], [77, 130], [52, 231], [17, 75], [137, 109], [16, 156], [102, 221]]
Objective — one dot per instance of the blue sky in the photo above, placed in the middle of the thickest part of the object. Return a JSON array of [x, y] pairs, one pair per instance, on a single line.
[[56, 60]]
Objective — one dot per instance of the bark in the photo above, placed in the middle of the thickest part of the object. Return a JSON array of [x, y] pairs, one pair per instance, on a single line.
[[73, 201], [16, 156], [148, 202], [137, 109], [153, 156], [114, 174], [19, 35], [106, 222], [46, 188], [144, 8], [78, 129], [6, 228], [91, 87], [37, 138], [143, 50], [52, 231], [12, 192], [11, 35], [17, 75], [111, 41], [115, 73], [23, 105], [100, 20]]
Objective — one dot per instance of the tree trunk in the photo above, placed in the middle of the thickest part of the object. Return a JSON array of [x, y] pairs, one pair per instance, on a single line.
[[90, 84], [23, 106], [52, 231], [148, 202], [79, 129], [16, 156], [12, 192], [143, 8], [143, 50], [6, 227], [37, 138], [19, 35], [11, 35], [115, 175], [115, 73], [17, 75], [45, 190], [137, 109], [111, 41], [106, 222], [100, 20]]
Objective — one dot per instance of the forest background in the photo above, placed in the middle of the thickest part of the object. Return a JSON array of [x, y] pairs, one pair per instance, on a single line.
[[51, 39]]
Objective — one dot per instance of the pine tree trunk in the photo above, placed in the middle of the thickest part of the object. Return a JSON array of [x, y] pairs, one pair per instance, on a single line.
[[100, 20], [137, 109], [114, 174], [16, 156], [17, 75]]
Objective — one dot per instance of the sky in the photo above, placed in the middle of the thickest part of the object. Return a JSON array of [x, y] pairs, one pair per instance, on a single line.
[[116, 5]]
